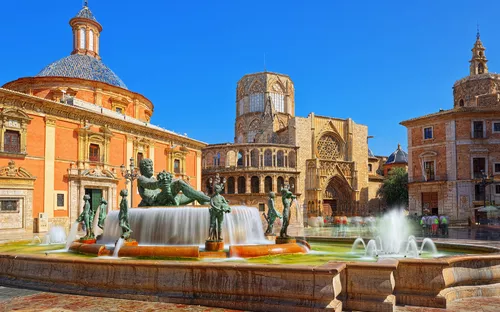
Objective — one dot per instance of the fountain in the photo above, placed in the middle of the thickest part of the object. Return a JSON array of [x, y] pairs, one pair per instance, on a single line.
[[55, 235], [394, 239]]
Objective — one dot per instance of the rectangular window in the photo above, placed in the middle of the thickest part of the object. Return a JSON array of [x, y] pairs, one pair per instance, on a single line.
[[262, 207], [497, 189], [60, 200], [429, 170], [497, 168], [12, 141], [478, 167], [496, 127], [477, 128], [9, 205], [94, 152], [428, 133], [177, 166], [140, 156], [119, 110]]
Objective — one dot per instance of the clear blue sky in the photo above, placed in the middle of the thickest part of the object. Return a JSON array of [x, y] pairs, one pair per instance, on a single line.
[[377, 62]]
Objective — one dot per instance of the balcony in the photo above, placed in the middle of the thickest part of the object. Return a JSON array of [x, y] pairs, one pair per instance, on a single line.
[[420, 179]]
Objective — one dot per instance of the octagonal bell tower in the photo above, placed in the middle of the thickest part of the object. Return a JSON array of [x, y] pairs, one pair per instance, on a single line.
[[264, 105]]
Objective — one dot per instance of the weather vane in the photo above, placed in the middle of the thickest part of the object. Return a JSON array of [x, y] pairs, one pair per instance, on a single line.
[[85, 3], [477, 34]]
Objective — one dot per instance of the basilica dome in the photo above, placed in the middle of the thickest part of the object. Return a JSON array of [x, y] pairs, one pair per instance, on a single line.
[[84, 67], [398, 157]]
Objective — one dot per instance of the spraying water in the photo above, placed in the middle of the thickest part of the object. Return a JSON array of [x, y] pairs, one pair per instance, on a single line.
[[118, 246], [72, 235], [186, 226], [56, 235], [394, 238]]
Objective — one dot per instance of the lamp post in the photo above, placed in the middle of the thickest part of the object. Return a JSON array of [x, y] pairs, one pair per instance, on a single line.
[[212, 182], [130, 175], [484, 181]]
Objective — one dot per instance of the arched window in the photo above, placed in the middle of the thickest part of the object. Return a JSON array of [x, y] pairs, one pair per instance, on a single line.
[[293, 186], [278, 101], [82, 38], [94, 152], [268, 184], [241, 104], [268, 158], [242, 185], [480, 68], [257, 102], [254, 158], [217, 160], [255, 185], [230, 159], [91, 40], [291, 159], [280, 159], [461, 103], [230, 185], [370, 167], [281, 182], [241, 161]]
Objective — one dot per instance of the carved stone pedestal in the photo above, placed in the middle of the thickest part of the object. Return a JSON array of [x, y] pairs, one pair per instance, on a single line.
[[285, 240], [87, 241], [214, 245], [270, 237]]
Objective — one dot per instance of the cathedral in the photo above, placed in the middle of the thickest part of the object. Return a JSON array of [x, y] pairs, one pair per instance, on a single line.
[[324, 160], [73, 129]]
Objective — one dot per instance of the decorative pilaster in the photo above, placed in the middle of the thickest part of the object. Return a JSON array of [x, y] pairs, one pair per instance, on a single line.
[[49, 166]]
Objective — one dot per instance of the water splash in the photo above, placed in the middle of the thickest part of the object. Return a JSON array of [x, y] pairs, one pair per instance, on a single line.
[[356, 243], [56, 235], [394, 239], [371, 249], [186, 226], [71, 235], [118, 246], [430, 243]]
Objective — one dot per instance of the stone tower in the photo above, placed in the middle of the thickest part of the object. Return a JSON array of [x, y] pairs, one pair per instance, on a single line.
[[264, 105], [478, 62]]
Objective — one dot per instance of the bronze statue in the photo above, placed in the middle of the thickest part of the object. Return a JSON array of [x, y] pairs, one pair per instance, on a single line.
[[163, 190], [272, 214], [286, 198], [218, 207], [87, 217], [102, 213], [123, 215]]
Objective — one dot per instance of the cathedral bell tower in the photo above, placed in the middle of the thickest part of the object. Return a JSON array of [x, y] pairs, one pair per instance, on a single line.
[[86, 32], [478, 62]]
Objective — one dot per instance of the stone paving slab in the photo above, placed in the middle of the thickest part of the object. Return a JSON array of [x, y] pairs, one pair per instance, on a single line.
[[16, 299]]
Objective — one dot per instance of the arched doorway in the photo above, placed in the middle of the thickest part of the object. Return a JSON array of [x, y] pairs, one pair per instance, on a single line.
[[337, 198]]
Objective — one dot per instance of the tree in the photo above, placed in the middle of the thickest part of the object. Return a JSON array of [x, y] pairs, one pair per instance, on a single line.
[[394, 190]]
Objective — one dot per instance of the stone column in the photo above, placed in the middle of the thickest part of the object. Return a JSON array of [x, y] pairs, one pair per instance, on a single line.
[[49, 166], [236, 185], [248, 186]]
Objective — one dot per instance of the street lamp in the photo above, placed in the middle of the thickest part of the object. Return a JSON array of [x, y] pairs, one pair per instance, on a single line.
[[484, 181], [130, 175], [212, 182]]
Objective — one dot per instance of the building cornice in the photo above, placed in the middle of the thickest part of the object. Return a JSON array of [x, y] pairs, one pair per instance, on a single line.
[[52, 108], [453, 114]]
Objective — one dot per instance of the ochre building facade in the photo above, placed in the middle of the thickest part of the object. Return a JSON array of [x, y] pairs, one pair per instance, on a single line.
[[66, 131], [325, 161], [452, 152]]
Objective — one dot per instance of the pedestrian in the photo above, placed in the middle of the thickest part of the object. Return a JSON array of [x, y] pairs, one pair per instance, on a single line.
[[444, 225]]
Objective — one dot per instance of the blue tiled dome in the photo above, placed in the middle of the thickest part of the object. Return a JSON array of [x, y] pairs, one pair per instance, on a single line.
[[86, 13], [84, 67], [398, 157]]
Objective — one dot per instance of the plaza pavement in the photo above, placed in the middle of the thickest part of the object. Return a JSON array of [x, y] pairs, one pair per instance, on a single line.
[[14, 299]]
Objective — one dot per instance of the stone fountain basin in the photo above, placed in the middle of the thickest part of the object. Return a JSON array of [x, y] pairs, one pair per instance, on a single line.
[[241, 251]]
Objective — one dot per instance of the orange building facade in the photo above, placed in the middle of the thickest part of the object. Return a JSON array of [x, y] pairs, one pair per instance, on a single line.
[[65, 133]]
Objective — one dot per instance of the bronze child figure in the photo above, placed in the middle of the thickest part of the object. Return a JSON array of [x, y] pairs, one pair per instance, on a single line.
[[272, 214], [123, 215], [218, 207], [86, 217]]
